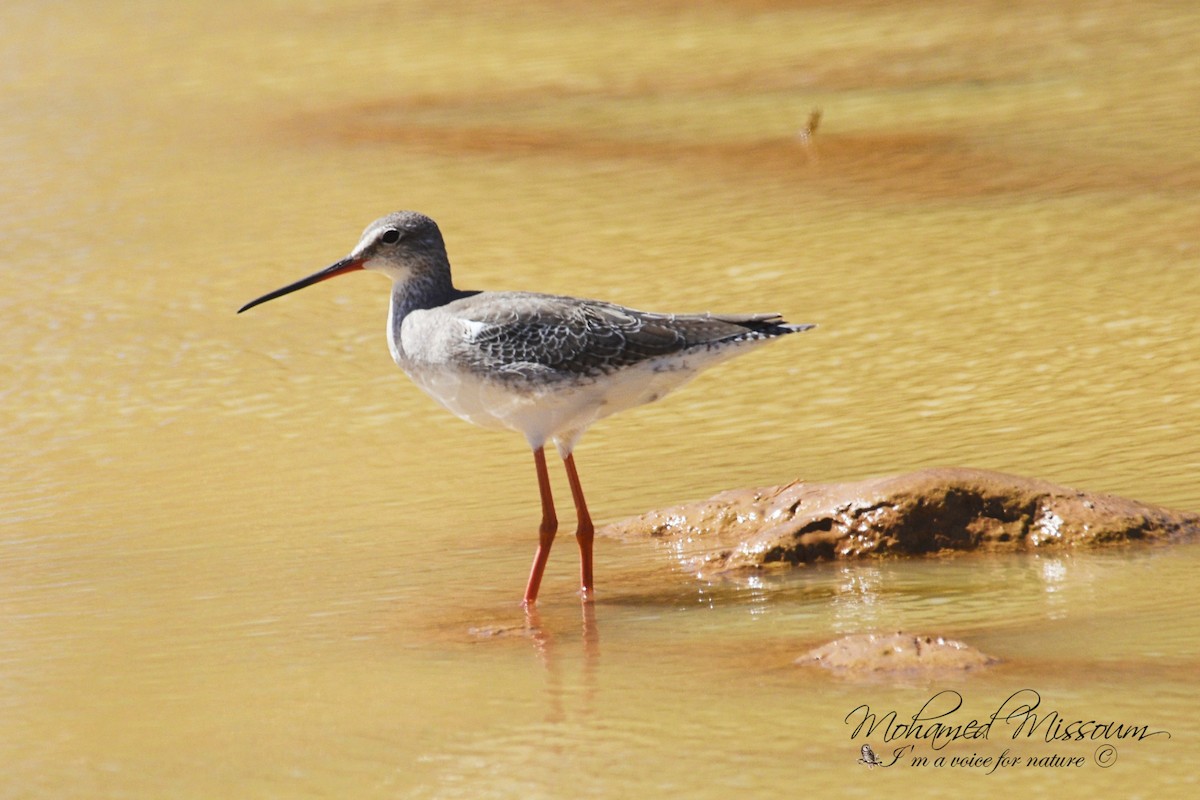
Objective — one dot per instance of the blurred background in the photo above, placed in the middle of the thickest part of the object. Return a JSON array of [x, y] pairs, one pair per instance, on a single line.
[[245, 553]]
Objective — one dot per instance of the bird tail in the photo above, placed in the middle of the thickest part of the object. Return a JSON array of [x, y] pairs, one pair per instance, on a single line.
[[765, 324]]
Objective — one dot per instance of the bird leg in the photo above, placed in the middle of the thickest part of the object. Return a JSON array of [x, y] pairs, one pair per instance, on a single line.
[[546, 530], [584, 532]]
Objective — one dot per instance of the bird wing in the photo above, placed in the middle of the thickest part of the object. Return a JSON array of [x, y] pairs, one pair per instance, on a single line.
[[523, 333]]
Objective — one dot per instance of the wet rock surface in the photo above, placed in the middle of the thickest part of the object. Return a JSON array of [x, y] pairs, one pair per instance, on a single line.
[[867, 653], [940, 510]]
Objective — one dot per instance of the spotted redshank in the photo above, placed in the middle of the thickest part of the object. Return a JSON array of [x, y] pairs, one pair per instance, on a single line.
[[543, 365]]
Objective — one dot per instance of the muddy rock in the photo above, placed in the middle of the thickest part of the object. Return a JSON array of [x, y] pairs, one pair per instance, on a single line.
[[930, 511], [868, 653]]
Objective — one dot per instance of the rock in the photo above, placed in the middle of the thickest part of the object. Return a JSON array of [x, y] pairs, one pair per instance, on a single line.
[[867, 653], [929, 511], [499, 631]]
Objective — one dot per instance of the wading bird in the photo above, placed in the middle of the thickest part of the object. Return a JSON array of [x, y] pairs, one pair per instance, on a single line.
[[543, 365]]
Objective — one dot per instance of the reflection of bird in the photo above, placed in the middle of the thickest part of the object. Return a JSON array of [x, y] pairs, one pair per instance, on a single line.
[[543, 365], [869, 758]]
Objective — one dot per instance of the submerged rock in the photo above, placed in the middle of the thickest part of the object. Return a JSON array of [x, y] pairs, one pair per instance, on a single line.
[[929, 511], [866, 653]]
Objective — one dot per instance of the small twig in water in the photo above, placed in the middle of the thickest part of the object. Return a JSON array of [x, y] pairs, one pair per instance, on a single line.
[[810, 128]]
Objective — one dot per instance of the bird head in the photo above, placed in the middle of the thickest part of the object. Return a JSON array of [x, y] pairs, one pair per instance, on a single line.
[[399, 245]]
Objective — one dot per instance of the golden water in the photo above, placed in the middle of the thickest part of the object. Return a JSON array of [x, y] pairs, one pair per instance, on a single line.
[[244, 557]]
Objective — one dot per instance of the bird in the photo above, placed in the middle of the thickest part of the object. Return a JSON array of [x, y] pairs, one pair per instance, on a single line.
[[547, 366], [869, 758]]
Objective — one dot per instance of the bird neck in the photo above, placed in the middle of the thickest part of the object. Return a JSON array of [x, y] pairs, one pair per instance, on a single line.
[[421, 288], [416, 291]]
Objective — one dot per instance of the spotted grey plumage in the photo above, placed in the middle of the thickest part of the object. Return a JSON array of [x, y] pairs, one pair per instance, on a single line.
[[550, 337], [544, 365]]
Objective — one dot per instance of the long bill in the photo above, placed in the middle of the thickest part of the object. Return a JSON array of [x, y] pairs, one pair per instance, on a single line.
[[348, 264]]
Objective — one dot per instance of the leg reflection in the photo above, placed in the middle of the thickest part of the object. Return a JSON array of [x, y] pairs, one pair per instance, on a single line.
[[547, 648]]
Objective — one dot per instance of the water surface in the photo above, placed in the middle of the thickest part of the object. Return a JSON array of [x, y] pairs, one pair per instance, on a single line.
[[243, 555]]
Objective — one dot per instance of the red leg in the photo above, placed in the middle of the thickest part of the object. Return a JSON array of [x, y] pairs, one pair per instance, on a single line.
[[585, 531], [545, 532]]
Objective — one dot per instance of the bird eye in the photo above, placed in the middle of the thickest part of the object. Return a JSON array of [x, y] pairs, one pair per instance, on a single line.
[[390, 236]]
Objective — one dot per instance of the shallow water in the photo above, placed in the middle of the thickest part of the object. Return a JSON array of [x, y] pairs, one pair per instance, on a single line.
[[243, 555]]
